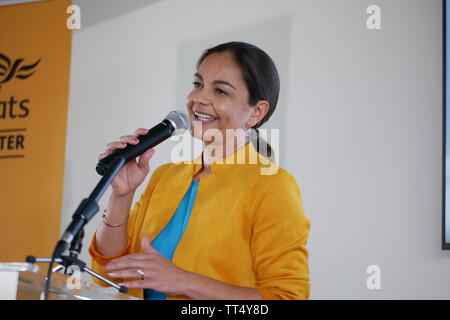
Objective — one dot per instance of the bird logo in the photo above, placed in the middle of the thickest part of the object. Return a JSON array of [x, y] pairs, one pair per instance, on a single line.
[[10, 70]]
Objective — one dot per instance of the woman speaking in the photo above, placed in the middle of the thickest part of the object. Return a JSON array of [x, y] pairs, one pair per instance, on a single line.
[[210, 228]]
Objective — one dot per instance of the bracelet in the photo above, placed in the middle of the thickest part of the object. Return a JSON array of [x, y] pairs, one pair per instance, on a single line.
[[111, 225]]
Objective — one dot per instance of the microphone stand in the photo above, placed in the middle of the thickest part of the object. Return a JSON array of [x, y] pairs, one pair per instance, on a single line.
[[75, 233], [65, 262]]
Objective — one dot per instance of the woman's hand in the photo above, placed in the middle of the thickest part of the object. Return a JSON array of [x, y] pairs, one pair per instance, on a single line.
[[133, 172], [160, 273]]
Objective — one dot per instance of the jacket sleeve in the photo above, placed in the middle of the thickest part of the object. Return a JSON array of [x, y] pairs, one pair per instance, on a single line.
[[99, 260], [278, 243]]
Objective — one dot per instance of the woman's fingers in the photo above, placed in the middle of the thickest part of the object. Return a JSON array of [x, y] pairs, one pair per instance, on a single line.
[[128, 260], [129, 139], [111, 147], [131, 264], [144, 159], [115, 145], [127, 273], [140, 132], [123, 141]]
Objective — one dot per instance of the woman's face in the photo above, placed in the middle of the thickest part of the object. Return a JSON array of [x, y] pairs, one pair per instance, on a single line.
[[219, 98]]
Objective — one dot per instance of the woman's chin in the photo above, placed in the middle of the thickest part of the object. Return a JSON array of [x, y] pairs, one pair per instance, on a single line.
[[199, 129], [205, 139]]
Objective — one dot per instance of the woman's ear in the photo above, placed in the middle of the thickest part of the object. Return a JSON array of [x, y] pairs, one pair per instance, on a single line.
[[259, 111]]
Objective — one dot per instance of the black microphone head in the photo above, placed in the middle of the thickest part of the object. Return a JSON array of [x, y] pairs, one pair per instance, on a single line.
[[179, 120]]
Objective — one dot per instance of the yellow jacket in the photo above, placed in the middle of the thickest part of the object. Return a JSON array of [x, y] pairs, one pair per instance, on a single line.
[[245, 229]]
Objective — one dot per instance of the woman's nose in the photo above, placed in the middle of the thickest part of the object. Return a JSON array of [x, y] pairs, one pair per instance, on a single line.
[[191, 101], [200, 97], [201, 100]]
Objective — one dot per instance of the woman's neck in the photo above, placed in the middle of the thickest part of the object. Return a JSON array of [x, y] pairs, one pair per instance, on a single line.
[[214, 152], [209, 155]]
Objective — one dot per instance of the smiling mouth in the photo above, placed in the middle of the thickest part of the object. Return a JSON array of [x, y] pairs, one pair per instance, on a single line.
[[203, 117]]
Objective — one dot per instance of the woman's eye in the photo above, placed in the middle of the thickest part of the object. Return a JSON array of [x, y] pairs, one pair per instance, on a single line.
[[219, 91], [196, 84]]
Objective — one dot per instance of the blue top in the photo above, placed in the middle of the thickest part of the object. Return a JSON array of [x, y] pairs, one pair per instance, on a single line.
[[167, 240]]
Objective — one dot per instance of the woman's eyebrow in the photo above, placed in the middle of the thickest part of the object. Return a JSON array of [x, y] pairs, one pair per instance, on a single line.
[[225, 83], [198, 75]]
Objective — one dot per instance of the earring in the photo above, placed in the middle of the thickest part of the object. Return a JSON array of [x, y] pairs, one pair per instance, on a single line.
[[248, 130], [251, 133]]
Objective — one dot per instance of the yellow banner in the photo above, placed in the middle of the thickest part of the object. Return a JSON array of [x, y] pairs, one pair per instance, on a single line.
[[35, 46]]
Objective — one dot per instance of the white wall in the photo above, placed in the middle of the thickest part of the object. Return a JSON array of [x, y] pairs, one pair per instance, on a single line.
[[359, 113]]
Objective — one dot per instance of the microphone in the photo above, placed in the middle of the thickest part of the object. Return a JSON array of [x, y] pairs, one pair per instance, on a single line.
[[176, 122]]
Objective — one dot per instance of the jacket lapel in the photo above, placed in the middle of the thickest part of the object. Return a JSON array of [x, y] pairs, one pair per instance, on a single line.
[[167, 196]]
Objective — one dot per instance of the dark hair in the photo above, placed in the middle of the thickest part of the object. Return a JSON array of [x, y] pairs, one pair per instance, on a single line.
[[260, 76]]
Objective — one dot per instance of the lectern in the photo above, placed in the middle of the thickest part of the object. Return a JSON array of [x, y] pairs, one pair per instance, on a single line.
[[31, 283]]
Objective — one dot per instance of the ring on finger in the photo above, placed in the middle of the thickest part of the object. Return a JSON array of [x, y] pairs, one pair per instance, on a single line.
[[141, 273]]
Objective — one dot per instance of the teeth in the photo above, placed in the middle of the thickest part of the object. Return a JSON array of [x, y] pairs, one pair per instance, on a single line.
[[202, 116]]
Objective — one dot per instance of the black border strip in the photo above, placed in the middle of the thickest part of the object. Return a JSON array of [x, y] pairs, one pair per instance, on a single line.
[[445, 245]]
